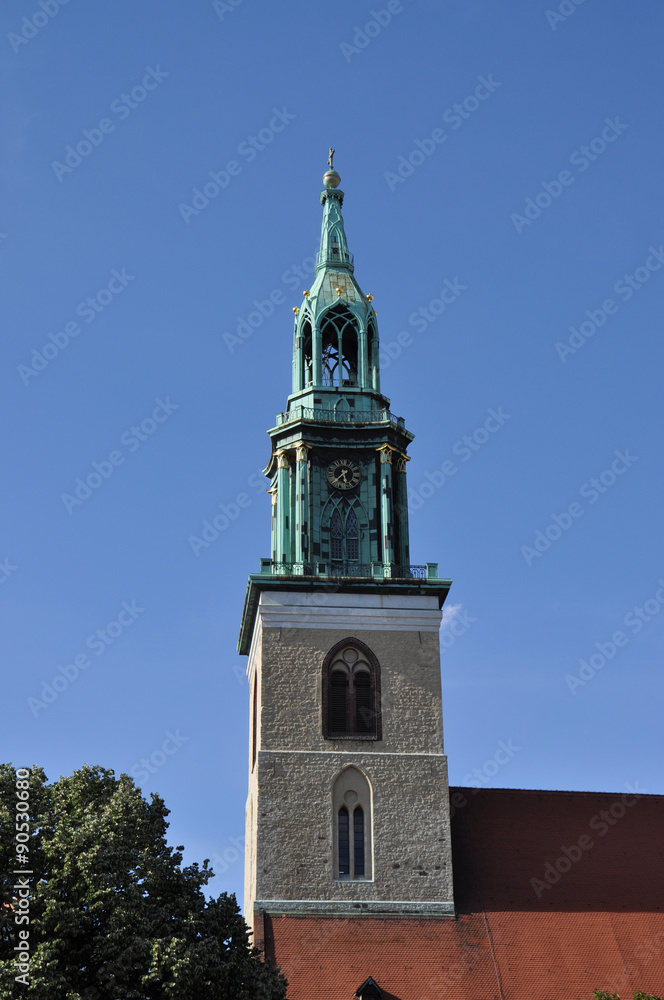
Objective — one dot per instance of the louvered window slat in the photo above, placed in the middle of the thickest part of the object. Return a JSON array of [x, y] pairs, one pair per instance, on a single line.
[[344, 842], [338, 703], [363, 707]]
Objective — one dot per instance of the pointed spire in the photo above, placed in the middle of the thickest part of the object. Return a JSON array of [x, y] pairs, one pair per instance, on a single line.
[[334, 250]]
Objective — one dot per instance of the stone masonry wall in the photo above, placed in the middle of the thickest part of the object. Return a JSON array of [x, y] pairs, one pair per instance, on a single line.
[[296, 768]]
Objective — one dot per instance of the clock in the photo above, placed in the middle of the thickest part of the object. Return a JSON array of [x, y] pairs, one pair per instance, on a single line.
[[343, 474]]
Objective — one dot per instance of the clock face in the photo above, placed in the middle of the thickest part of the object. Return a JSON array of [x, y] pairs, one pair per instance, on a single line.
[[343, 474]]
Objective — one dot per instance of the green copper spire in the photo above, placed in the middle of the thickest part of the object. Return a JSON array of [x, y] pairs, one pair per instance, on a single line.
[[336, 332], [338, 465], [333, 244]]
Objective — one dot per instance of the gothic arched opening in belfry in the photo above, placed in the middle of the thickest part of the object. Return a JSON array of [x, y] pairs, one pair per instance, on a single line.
[[373, 354], [339, 347], [307, 355]]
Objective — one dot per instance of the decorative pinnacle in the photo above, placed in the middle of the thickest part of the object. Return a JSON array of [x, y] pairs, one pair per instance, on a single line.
[[296, 310], [331, 179]]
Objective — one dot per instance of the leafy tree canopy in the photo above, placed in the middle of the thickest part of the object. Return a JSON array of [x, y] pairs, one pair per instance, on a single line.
[[113, 915], [601, 995]]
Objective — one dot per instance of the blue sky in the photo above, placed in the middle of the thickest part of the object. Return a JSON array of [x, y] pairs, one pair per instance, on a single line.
[[538, 198]]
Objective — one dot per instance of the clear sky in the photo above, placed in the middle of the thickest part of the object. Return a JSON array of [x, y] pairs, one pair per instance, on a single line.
[[505, 155]]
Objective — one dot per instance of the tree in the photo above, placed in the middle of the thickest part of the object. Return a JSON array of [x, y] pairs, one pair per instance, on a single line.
[[112, 914], [601, 995]]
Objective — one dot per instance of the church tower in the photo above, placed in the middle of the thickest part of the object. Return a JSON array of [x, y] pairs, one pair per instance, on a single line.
[[348, 812]]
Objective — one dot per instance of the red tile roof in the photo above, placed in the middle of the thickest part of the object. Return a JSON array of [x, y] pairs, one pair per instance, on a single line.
[[557, 894]]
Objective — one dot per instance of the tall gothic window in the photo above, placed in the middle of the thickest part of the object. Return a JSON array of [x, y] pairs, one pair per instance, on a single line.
[[373, 350], [351, 693], [339, 347], [351, 805], [344, 531], [307, 358]]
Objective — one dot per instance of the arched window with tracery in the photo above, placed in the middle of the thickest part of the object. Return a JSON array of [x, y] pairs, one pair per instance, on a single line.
[[344, 534], [339, 347], [352, 833], [351, 693]]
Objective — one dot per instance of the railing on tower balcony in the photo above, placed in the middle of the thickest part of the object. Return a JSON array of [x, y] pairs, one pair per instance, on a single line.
[[335, 255], [327, 416], [370, 571]]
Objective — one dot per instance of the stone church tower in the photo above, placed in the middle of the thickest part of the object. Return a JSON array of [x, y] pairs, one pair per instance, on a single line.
[[347, 813]]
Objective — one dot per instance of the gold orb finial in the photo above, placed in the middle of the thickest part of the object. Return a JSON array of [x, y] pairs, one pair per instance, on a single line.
[[331, 179]]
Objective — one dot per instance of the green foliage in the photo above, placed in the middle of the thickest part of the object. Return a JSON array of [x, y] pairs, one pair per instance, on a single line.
[[601, 995], [113, 915]]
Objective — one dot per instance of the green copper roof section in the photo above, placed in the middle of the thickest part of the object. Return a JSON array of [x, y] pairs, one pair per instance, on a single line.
[[334, 250], [334, 283], [336, 331]]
